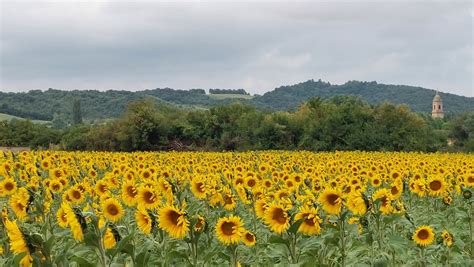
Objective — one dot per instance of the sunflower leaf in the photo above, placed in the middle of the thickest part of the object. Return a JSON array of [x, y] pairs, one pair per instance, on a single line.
[[296, 225]]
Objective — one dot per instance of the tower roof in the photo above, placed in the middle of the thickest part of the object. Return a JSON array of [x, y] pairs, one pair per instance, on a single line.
[[437, 97]]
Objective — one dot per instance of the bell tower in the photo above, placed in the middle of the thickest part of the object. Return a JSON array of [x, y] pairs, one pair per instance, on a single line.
[[437, 111]]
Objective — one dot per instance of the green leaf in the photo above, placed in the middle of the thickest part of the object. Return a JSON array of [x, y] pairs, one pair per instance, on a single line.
[[81, 261], [296, 225], [276, 239]]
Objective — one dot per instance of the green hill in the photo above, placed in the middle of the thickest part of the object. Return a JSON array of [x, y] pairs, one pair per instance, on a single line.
[[99, 105], [7, 117]]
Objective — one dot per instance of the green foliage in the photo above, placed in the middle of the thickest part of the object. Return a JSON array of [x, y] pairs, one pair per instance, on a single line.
[[76, 112], [97, 105]]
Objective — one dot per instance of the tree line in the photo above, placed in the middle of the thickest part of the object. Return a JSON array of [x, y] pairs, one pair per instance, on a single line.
[[339, 123]]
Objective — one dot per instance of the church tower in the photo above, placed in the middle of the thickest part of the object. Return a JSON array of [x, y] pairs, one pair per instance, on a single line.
[[437, 111]]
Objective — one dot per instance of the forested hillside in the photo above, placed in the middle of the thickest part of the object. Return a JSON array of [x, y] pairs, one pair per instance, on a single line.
[[53, 103]]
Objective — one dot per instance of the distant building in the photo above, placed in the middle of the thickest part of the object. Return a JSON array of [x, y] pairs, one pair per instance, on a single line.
[[437, 111]]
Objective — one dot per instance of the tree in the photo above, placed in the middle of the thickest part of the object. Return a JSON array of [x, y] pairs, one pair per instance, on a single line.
[[76, 112]]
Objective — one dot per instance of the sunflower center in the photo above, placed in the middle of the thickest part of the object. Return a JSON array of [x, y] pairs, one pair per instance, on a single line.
[[470, 179], [9, 186], [76, 194], [131, 191], [333, 199], [279, 216], [394, 190], [435, 185], [228, 200], [112, 210], [251, 183], [174, 217], [200, 187], [249, 237], [227, 228], [423, 234], [148, 197]]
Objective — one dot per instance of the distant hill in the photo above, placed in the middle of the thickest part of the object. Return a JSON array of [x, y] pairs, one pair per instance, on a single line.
[[418, 98], [45, 105]]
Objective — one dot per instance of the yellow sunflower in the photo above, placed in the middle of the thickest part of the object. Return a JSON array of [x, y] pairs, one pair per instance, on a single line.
[[200, 224], [173, 221], [423, 235], [249, 239], [112, 209], [144, 220], [17, 242], [229, 230], [19, 203], [311, 224], [74, 222], [198, 187], [436, 186], [277, 218], [331, 199], [61, 218], [356, 204], [148, 198], [7, 187], [129, 193], [110, 238], [385, 200]]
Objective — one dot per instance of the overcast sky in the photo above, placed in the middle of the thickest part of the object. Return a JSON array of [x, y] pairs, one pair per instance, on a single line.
[[138, 45]]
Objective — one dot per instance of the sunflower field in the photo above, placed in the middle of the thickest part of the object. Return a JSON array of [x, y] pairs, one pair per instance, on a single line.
[[236, 209]]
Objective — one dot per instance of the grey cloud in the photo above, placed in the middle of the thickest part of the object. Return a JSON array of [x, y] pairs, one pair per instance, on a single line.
[[256, 46]]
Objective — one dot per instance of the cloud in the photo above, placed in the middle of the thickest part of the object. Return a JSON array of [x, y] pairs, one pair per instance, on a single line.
[[253, 45]]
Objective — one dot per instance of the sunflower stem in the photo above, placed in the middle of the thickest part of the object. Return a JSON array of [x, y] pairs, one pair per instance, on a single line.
[[342, 236], [471, 229]]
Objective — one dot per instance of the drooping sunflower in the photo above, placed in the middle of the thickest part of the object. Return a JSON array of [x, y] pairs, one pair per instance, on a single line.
[[173, 221], [61, 218], [229, 230], [129, 193], [112, 209], [423, 235], [277, 218], [436, 186], [18, 243], [312, 223], [75, 222], [260, 206], [331, 199], [144, 220], [229, 199], [249, 239], [111, 237], [147, 197]]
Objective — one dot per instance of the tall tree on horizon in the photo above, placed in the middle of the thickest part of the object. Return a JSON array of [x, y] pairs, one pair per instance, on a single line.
[[76, 112]]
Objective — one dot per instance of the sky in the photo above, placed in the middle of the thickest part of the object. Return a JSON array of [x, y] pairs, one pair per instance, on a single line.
[[255, 45]]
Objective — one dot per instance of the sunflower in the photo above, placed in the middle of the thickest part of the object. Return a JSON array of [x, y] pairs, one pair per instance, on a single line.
[[7, 187], [56, 186], [112, 209], [111, 237], [229, 230], [62, 218], [436, 186], [147, 197], [76, 196], [198, 187], [75, 222], [385, 198], [277, 218], [311, 222], [129, 193], [200, 224], [423, 235], [260, 206], [144, 221], [447, 238], [229, 199], [18, 243], [356, 204], [19, 203], [331, 199], [249, 239], [173, 221]]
